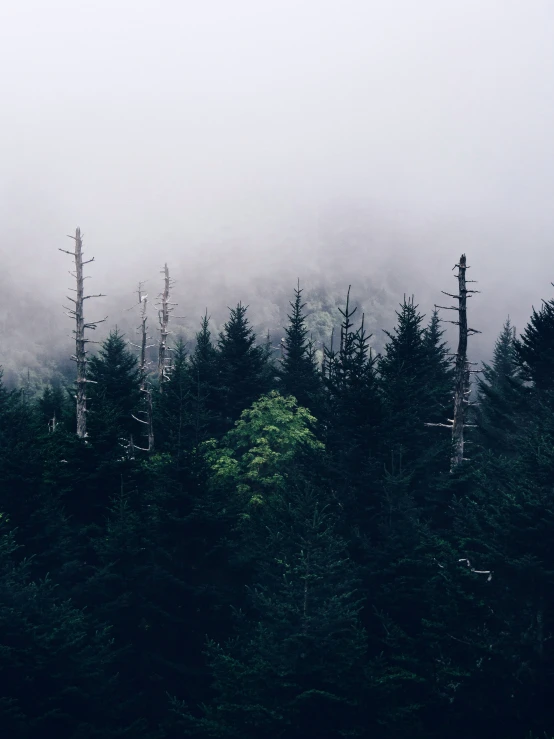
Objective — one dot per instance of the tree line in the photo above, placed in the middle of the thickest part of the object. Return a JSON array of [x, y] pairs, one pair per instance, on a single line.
[[250, 543]]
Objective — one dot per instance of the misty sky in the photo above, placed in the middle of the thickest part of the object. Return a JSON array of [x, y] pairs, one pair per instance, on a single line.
[[171, 128]]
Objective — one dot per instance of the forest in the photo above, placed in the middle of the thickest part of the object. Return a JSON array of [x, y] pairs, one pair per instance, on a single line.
[[234, 539]]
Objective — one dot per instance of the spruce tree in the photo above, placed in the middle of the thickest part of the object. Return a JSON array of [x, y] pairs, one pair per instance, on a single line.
[[295, 665], [53, 407], [505, 524], [501, 395], [351, 423], [30, 507], [55, 664], [242, 366], [173, 406], [535, 348], [114, 392], [203, 374], [298, 374], [415, 383], [128, 588], [440, 371]]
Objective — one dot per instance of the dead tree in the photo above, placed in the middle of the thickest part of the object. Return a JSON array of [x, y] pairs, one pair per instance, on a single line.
[[462, 372], [145, 387], [77, 312], [164, 310]]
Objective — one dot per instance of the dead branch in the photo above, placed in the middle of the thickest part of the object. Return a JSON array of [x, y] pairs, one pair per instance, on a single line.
[[80, 356]]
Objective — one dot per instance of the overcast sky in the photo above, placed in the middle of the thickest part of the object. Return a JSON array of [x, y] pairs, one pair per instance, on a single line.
[[165, 128]]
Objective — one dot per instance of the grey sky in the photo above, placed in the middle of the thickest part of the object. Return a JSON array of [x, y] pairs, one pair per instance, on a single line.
[[159, 127]]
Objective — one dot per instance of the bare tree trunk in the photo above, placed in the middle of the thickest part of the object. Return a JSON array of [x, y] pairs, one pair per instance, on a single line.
[[149, 415], [78, 313], [163, 315], [143, 369], [461, 384], [462, 366]]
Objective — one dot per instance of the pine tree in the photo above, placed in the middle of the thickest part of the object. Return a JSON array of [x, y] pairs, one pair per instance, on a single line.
[[299, 375], [22, 497], [203, 374], [242, 366], [506, 525], [535, 348], [501, 395], [415, 384], [295, 665], [55, 665], [124, 589], [53, 407], [440, 372], [351, 423], [114, 392], [173, 407]]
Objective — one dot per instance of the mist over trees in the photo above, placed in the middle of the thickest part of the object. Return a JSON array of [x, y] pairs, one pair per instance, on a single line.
[[244, 536], [275, 470]]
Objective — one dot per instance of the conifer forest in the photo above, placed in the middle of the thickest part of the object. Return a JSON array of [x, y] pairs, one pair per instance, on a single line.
[[246, 538]]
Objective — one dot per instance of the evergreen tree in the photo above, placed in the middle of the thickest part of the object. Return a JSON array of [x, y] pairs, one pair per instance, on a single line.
[[440, 371], [505, 524], [501, 394], [55, 666], [353, 407], [173, 418], [203, 373], [298, 375], [242, 366], [114, 392], [295, 666], [535, 348], [53, 407], [125, 590], [415, 384], [30, 507]]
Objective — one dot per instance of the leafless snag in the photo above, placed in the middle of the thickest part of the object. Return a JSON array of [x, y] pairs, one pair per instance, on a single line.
[[145, 387], [52, 423], [463, 372], [477, 572], [165, 308], [77, 313]]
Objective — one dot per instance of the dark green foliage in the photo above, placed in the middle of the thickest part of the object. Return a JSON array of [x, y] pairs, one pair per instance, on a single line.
[[501, 395], [205, 412], [34, 509], [535, 348], [345, 582], [173, 419], [114, 392], [353, 410], [439, 378], [294, 667], [243, 372], [53, 407], [415, 383], [298, 374], [54, 665], [506, 525]]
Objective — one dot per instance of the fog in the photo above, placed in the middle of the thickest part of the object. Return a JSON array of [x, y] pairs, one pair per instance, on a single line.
[[242, 139]]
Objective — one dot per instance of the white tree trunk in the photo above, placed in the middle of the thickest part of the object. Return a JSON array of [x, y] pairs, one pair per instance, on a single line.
[[78, 313], [163, 316], [462, 371]]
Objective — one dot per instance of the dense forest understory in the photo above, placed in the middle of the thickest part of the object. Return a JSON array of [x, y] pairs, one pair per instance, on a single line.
[[254, 543]]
